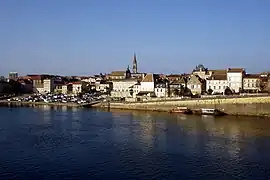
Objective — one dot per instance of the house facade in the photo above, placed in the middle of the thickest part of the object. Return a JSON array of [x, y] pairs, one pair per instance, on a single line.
[[217, 83], [161, 89], [235, 79], [48, 85], [251, 82], [103, 86], [121, 88], [76, 87], [176, 86], [196, 84]]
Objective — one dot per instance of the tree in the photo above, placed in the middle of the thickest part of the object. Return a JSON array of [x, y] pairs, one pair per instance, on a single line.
[[86, 88], [228, 91], [176, 92], [131, 92], [210, 91], [187, 92]]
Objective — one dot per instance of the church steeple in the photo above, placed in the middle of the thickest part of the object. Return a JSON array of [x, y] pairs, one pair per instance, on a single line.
[[134, 66]]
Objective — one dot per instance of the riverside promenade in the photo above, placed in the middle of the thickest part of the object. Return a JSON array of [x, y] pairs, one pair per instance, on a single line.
[[246, 106]]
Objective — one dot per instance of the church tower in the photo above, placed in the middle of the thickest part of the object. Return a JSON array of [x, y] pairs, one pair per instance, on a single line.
[[134, 66]]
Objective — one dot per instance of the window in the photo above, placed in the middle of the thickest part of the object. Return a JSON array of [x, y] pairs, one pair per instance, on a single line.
[[209, 87], [219, 87], [157, 90], [192, 86], [214, 87], [160, 90]]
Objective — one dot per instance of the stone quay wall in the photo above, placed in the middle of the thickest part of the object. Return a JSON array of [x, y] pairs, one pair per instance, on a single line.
[[250, 106]]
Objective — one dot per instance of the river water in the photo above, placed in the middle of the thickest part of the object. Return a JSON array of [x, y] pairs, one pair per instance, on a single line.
[[62, 143]]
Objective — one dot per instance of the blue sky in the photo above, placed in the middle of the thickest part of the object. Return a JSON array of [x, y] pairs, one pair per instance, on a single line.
[[81, 37]]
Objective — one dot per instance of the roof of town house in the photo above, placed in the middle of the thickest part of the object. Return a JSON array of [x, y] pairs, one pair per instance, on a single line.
[[148, 78], [35, 77], [118, 73], [194, 78], [252, 76], [124, 80], [178, 81], [218, 77], [219, 71], [236, 70]]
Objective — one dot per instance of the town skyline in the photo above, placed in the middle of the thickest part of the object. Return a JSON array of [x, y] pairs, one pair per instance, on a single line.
[[89, 37]]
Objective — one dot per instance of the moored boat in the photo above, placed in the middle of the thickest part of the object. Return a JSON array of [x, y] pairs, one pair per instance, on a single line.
[[214, 112], [181, 110]]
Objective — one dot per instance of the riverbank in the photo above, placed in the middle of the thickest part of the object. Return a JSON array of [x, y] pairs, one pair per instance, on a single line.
[[17, 103], [247, 106]]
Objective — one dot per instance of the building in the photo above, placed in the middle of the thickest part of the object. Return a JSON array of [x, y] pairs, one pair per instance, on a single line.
[[67, 88], [152, 86], [251, 83], [122, 88], [177, 85], [48, 85], [196, 85], [13, 76], [103, 86], [77, 87], [235, 79], [119, 75], [201, 72], [217, 83], [38, 83], [162, 89]]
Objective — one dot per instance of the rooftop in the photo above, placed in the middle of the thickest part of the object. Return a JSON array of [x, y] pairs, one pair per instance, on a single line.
[[252, 76], [218, 77], [236, 70]]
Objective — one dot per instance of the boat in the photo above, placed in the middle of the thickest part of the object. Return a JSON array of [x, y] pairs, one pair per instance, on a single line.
[[181, 110], [214, 112]]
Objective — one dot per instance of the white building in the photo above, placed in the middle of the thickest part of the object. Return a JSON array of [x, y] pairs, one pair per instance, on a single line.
[[103, 86], [48, 85], [76, 87], [13, 75], [162, 90], [148, 83], [121, 87], [217, 83], [235, 78], [151, 85], [251, 82]]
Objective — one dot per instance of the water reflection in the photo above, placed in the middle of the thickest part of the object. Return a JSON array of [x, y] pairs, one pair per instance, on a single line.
[[132, 145]]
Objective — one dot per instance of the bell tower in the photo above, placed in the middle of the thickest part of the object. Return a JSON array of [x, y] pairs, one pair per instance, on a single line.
[[134, 66]]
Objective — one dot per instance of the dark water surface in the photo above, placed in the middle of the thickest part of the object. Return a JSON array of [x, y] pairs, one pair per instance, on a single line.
[[50, 143]]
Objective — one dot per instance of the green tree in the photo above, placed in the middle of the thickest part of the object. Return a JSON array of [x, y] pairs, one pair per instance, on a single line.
[[210, 91]]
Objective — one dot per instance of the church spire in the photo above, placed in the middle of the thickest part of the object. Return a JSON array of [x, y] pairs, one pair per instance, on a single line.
[[134, 66]]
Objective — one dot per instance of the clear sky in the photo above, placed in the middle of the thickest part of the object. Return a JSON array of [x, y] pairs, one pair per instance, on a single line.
[[90, 36]]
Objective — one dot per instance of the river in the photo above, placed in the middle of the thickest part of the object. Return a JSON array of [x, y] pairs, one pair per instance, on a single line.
[[74, 143]]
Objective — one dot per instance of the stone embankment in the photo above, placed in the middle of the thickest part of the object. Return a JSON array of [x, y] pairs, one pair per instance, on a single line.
[[250, 106]]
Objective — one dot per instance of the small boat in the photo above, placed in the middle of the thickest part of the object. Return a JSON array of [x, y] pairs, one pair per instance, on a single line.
[[181, 110], [214, 112]]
